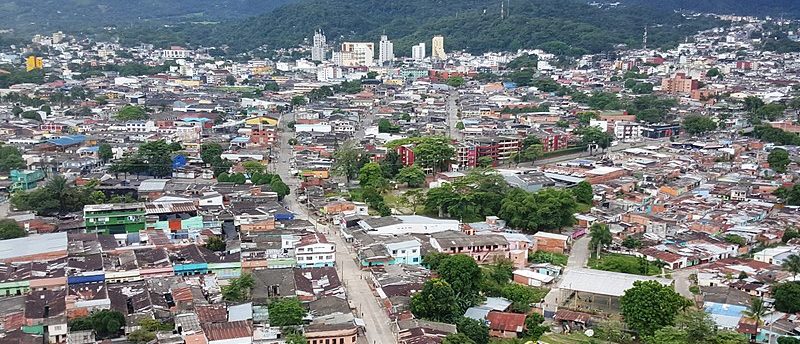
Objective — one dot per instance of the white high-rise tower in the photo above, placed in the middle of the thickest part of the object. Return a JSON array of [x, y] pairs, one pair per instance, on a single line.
[[385, 50], [418, 52], [437, 48], [320, 47]]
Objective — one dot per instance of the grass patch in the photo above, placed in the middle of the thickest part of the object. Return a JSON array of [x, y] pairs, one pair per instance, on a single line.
[[548, 257], [562, 152], [583, 208], [624, 263], [571, 338]]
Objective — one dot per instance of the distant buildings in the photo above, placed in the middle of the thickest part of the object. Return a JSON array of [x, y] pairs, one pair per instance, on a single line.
[[319, 49], [355, 54], [437, 48], [418, 52], [385, 50]]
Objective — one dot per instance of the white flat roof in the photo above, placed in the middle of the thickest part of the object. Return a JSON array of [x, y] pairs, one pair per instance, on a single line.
[[604, 282], [33, 244], [549, 235], [603, 170]]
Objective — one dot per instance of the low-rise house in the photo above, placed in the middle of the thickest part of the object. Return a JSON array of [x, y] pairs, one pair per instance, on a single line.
[[506, 325]]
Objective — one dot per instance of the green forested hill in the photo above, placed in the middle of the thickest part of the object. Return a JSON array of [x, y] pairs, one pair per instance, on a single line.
[[775, 8], [563, 26], [78, 15]]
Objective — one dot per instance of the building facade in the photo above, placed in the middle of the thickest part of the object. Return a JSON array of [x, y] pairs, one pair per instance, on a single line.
[[437, 48], [114, 218]]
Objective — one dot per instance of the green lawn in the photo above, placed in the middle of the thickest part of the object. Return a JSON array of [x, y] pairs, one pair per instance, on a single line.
[[572, 338], [624, 263]]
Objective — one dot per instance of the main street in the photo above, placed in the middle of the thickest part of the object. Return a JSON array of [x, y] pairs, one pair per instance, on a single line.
[[377, 323]]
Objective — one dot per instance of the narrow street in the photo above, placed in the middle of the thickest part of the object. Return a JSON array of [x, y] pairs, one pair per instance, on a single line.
[[379, 328]]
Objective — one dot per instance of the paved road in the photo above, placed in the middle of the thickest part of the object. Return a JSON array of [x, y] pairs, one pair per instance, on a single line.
[[682, 282], [452, 115], [377, 323]]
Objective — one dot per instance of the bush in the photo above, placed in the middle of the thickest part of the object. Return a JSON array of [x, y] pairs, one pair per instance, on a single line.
[[548, 257]]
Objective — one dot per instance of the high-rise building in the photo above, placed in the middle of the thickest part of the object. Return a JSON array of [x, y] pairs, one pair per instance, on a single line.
[[33, 62], [356, 54], [437, 48], [320, 47], [386, 50], [418, 52]]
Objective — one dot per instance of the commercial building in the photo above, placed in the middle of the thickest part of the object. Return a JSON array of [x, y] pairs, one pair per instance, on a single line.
[[25, 179], [385, 50], [354, 54], [437, 48], [114, 218]]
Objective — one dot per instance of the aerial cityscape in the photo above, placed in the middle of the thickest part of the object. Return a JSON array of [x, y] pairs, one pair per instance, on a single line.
[[400, 172]]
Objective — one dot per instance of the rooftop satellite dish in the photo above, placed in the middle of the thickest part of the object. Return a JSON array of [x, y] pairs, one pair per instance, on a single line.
[[589, 333]]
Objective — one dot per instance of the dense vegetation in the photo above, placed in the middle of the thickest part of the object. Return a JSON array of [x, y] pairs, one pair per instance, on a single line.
[[785, 8], [565, 27], [80, 15]]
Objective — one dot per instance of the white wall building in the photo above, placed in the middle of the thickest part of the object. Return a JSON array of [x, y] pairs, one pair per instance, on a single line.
[[405, 250], [418, 52], [407, 224], [385, 50], [320, 47], [628, 131], [313, 251], [356, 54]]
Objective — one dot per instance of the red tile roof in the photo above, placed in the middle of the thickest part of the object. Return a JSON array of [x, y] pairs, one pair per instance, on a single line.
[[503, 321], [228, 330]]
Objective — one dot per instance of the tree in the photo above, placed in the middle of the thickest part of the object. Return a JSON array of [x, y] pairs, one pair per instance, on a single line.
[[294, 337], [105, 323], [10, 229], [485, 161], [697, 124], [713, 72], [215, 244], [238, 289], [460, 125], [649, 306], [385, 126], [788, 340], [457, 338], [299, 100], [548, 209], [412, 175], [455, 81], [141, 336], [10, 159], [789, 234], [756, 311], [792, 265], [278, 186], [631, 242], [131, 113], [790, 196], [530, 153], [787, 297], [463, 275], [391, 164], [601, 237], [252, 167], [286, 312], [210, 152], [533, 326], [434, 152], [346, 160], [475, 330], [437, 301], [371, 175], [546, 85], [583, 192], [272, 87], [104, 152], [778, 160]]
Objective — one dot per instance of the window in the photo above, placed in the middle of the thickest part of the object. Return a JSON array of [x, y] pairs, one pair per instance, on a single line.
[[329, 257], [414, 251], [415, 260], [403, 251], [394, 251]]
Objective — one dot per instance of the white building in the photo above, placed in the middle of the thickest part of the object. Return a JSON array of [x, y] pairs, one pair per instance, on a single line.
[[405, 250], [355, 54], [628, 131], [175, 53], [437, 48], [320, 47], [314, 251], [407, 224], [418, 52], [327, 73], [385, 50]]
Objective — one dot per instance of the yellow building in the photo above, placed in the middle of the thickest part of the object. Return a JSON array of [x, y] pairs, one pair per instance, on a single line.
[[32, 62], [253, 121]]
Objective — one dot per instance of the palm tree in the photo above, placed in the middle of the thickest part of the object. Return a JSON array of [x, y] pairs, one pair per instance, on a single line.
[[792, 264], [756, 311], [601, 237]]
